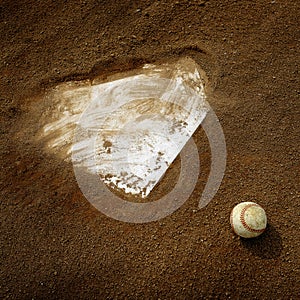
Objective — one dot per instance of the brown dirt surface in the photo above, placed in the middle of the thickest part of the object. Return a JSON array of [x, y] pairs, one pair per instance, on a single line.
[[55, 245]]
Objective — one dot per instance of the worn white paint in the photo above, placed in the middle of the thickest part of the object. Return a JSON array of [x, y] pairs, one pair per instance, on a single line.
[[141, 122]]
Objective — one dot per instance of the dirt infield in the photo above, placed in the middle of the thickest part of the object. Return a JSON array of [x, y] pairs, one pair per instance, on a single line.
[[55, 245]]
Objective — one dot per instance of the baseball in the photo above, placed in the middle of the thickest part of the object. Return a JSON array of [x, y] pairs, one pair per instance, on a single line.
[[248, 219]]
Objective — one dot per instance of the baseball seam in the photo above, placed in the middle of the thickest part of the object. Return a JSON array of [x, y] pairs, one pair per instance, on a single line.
[[243, 221]]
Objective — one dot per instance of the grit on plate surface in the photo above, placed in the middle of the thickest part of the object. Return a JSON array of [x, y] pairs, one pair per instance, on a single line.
[[55, 245]]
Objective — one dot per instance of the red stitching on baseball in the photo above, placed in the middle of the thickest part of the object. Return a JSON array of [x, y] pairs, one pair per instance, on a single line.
[[243, 221]]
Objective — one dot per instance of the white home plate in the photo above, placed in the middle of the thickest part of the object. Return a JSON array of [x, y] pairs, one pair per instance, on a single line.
[[132, 128]]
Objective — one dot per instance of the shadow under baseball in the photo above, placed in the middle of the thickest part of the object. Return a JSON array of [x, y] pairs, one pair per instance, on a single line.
[[266, 246]]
